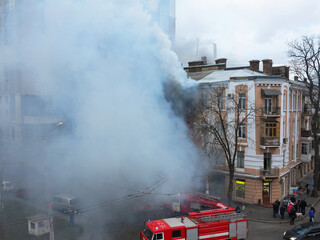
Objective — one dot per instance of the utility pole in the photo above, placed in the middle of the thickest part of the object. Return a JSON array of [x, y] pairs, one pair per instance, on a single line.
[[48, 189]]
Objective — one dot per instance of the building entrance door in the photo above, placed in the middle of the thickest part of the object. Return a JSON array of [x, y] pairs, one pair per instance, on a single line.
[[266, 193]]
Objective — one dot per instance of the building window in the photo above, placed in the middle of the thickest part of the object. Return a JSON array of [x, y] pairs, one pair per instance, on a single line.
[[33, 225], [242, 101], [220, 101], [293, 102], [284, 102], [304, 148], [268, 105], [283, 186], [240, 188], [267, 162], [240, 159], [242, 130], [219, 128], [271, 129]]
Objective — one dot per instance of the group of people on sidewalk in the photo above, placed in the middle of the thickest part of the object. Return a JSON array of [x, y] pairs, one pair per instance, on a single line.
[[294, 207]]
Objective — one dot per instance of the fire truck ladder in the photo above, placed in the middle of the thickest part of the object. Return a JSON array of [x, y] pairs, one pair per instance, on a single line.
[[226, 216]]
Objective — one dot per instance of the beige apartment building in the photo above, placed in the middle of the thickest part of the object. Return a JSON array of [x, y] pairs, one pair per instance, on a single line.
[[275, 150]]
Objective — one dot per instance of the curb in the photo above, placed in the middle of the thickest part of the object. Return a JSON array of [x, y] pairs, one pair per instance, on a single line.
[[286, 221]]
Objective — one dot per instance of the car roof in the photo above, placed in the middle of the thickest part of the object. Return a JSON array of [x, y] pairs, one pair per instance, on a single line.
[[308, 224]]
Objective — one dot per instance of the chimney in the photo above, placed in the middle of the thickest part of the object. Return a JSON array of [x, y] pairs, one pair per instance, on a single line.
[[204, 60], [296, 78], [222, 62], [254, 65], [267, 66]]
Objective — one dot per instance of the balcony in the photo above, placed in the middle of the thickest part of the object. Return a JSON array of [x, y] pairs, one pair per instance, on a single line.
[[271, 111], [306, 157], [305, 133], [270, 172], [270, 141]]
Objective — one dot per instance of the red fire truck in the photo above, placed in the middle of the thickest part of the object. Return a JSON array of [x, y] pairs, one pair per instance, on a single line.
[[190, 202], [210, 225]]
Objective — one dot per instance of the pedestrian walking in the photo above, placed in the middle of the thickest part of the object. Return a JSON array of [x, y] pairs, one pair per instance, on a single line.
[[311, 214], [243, 207], [299, 205], [276, 205], [293, 199], [296, 207], [292, 216], [285, 203], [290, 206], [282, 210], [308, 189], [303, 205]]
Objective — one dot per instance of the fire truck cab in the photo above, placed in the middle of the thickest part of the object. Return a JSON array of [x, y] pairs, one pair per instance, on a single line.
[[169, 228], [209, 225]]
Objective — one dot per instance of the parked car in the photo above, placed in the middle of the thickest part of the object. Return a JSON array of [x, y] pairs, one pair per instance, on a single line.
[[305, 231], [65, 203], [7, 186], [22, 193]]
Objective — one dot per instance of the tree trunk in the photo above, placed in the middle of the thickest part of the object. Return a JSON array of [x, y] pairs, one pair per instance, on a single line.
[[230, 189]]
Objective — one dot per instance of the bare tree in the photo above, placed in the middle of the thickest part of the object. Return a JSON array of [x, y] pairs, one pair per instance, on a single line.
[[305, 61], [221, 122]]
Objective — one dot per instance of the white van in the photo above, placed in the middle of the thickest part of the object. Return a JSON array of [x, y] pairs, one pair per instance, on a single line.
[[65, 203], [7, 186]]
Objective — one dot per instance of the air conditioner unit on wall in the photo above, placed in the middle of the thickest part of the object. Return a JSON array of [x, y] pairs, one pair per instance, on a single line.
[[230, 95]]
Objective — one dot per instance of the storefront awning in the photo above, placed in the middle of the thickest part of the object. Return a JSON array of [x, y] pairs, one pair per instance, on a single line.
[[271, 92]]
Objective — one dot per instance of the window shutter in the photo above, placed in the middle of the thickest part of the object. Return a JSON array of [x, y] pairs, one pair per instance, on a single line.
[[278, 130]]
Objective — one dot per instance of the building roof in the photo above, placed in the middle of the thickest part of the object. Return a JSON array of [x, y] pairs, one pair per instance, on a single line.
[[226, 75], [199, 75]]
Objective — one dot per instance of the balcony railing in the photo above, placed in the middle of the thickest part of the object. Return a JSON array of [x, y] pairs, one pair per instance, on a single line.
[[270, 111], [306, 133], [270, 141], [306, 157], [269, 172]]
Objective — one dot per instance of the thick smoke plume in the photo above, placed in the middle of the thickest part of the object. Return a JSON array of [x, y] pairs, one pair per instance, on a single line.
[[109, 71]]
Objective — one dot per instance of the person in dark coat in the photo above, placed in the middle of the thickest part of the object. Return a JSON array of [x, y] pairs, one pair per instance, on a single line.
[[303, 205], [292, 199], [293, 216], [299, 205], [307, 187], [276, 205], [282, 211]]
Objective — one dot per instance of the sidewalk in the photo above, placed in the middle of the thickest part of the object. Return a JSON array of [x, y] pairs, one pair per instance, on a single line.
[[263, 214]]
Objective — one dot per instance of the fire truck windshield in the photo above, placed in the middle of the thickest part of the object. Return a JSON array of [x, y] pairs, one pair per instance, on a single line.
[[147, 232]]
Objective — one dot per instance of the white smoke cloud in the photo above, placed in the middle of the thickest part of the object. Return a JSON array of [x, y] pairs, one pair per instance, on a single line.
[[105, 63]]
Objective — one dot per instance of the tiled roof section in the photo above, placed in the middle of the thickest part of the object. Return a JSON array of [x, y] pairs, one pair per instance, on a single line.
[[225, 75]]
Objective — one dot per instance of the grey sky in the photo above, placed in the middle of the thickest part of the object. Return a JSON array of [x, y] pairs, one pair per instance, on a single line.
[[243, 30]]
